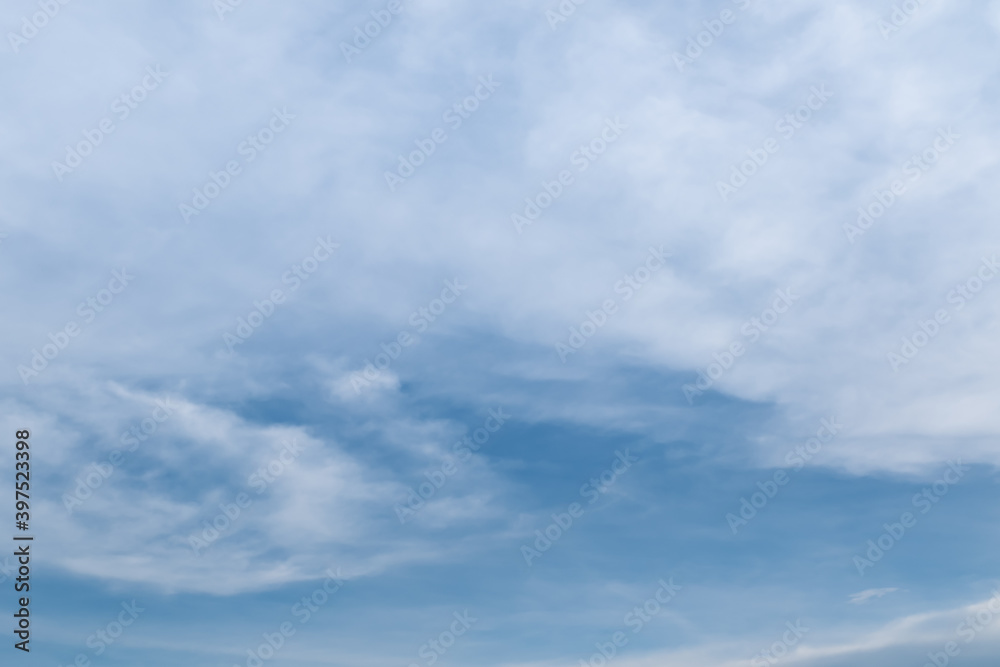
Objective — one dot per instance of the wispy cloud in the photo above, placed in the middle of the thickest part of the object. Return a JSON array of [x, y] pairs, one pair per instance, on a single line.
[[872, 593]]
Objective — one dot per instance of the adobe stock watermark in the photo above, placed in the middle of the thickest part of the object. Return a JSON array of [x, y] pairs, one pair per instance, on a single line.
[[454, 116], [420, 320], [88, 310], [30, 26], [381, 18], [628, 286], [303, 610], [106, 636], [97, 473], [913, 169], [928, 329], [779, 649], [786, 126], [258, 481], [122, 107], [7, 569], [796, 459], [636, 620], [582, 158], [294, 278], [433, 649], [562, 12], [593, 489], [704, 39], [924, 501], [751, 330], [899, 17], [967, 631], [462, 452], [248, 149], [223, 7]]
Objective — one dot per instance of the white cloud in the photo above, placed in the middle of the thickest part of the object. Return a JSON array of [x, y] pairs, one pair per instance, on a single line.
[[864, 596]]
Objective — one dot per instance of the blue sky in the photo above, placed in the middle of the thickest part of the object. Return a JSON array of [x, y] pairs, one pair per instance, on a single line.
[[512, 335]]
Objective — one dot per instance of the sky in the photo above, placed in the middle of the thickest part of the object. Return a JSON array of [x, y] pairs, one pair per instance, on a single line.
[[536, 334]]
